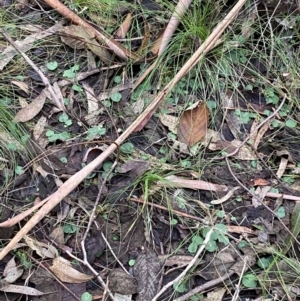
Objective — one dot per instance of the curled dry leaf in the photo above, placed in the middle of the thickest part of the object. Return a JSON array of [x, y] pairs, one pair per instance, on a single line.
[[32, 109], [62, 269], [42, 249], [193, 124]]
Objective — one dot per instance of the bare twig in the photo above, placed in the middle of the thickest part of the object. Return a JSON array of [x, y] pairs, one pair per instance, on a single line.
[[180, 10], [179, 213], [113, 253], [179, 278], [237, 289], [205, 286], [86, 263], [45, 80]]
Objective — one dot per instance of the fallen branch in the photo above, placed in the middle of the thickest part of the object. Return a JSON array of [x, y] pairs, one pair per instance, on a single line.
[[116, 47]]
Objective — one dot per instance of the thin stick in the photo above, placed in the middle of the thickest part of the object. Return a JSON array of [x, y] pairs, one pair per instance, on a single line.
[[179, 278], [45, 80], [205, 286], [196, 218], [113, 253]]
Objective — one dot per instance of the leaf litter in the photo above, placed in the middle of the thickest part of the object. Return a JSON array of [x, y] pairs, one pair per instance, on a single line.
[[174, 180]]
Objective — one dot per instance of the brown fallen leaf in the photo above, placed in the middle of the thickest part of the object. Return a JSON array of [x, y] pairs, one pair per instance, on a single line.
[[32, 109], [193, 124], [42, 249], [260, 182], [62, 269], [79, 37]]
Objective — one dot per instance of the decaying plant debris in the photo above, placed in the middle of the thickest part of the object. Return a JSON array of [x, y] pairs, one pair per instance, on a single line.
[[149, 150]]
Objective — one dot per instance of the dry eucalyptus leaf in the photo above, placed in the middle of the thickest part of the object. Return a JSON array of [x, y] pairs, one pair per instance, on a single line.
[[23, 86], [76, 36], [79, 37], [62, 269], [42, 249], [24, 290], [32, 109], [193, 124], [12, 272]]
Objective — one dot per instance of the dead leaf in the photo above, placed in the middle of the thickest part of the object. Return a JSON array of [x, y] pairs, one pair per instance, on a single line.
[[25, 45], [23, 86], [32, 109], [213, 141], [24, 290], [12, 272], [62, 269], [58, 235], [42, 249], [193, 124], [79, 37], [169, 121], [260, 182], [124, 27], [147, 271], [216, 295]]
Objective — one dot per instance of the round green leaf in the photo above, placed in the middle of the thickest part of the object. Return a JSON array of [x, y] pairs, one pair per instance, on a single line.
[[179, 287], [127, 148], [50, 133], [173, 222], [249, 280], [116, 96], [243, 244], [63, 117], [264, 262], [193, 247], [69, 228], [52, 65], [86, 297], [280, 212], [220, 213], [77, 88], [197, 239], [19, 170], [117, 79], [291, 123], [211, 246], [107, 165]]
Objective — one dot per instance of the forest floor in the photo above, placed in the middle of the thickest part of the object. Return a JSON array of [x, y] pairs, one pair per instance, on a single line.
[[149, 150]]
